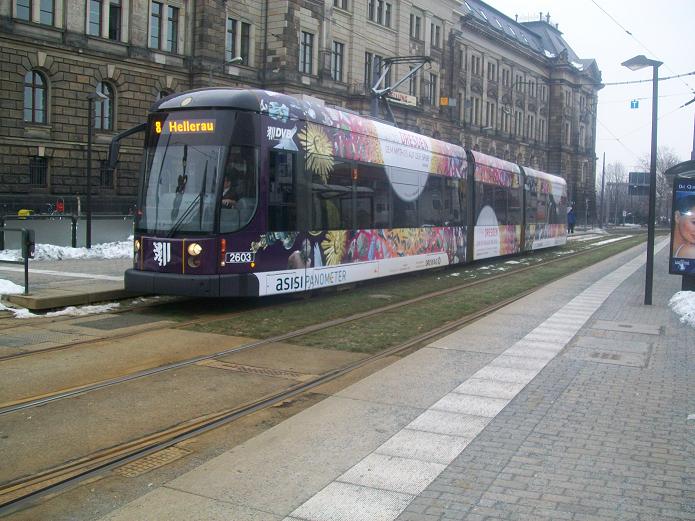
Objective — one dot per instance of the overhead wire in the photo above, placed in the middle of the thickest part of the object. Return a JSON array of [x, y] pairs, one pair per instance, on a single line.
[[616, 138], [681, 76], [623, 100], [638, 41]]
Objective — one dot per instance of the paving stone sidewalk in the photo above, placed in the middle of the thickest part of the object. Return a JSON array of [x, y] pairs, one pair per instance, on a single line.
[[602, 433]]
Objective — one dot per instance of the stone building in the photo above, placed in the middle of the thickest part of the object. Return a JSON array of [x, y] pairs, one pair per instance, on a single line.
[[510, 89]]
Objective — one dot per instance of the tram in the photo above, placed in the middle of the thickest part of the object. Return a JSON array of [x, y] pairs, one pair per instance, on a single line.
[[251, 193]]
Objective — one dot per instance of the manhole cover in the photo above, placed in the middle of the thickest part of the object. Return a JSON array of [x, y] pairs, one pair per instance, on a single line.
[[12, 341], [644, 329], [605, 356], [120, 321], [612, 344], [609, 356], [151, 462], [28, 339], [249, 369]]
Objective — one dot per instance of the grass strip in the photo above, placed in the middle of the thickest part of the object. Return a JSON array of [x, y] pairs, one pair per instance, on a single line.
[[374, 334], [269, 321]]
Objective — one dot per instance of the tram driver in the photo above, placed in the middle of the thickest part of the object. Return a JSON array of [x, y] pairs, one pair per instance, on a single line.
[[238, 190]]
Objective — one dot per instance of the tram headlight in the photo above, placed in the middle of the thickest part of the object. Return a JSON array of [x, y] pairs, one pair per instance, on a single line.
[[136, 245], [194, 262], [194, 249]]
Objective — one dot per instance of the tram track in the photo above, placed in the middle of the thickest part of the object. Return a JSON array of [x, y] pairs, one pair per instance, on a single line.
[[46, 398], [15, 493], [245, 308]]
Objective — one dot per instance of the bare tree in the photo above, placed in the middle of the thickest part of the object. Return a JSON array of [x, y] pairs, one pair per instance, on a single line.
[[615, 192], [665, 159]]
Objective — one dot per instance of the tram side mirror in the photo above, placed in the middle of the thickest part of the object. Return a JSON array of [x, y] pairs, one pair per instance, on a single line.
[[28, 244], [115, 146]]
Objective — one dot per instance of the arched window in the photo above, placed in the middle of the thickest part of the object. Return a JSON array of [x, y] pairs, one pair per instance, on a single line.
[[103, 111], [35, 99], [164, 93]]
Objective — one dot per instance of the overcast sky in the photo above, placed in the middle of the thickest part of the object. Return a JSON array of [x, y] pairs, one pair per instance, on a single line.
[[661, 30]]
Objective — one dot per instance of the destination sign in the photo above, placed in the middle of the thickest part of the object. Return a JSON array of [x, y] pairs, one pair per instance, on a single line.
[[185, 126]]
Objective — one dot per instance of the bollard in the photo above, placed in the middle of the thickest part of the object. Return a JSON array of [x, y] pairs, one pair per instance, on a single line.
[[2, 233], [73, 226], [28, 248]]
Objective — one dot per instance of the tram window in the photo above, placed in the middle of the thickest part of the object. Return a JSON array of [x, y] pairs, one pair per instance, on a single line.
[[240, 188], [505, 201], [332, 199], [489, 195], [485, 196], [454, 197], [282, 195], [532, 207], [373, 198], [514, 203], [554, 212], [540, 207], [405, 185], [500, 202], [432, 202]]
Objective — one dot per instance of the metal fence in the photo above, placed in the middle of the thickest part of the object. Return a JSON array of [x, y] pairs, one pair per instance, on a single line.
[[67, 230]]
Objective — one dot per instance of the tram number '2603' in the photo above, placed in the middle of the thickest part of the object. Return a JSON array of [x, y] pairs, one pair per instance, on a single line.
[[239, 257]]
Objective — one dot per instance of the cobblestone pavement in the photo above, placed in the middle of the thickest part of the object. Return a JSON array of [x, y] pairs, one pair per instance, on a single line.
[[601, 434]]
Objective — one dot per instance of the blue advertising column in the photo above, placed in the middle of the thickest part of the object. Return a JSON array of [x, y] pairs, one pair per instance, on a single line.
[[682, 253]]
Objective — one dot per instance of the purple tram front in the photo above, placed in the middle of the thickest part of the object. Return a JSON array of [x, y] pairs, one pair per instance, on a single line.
[[255, 193]]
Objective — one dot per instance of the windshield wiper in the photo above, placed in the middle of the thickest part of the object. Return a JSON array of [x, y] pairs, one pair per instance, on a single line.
[[181, 185], [159, 182], [189, 208], [202, 193]]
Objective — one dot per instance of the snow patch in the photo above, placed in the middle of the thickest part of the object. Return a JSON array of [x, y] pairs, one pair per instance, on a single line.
[[683, 304], [18, 312], [72, 311], [84, 310], [10, 288], [608, 241], [106, 250]]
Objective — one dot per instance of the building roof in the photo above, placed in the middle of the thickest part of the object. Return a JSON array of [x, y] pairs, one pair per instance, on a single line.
[[538, 36]]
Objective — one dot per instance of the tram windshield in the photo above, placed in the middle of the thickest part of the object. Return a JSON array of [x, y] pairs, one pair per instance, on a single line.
[[192, 167]]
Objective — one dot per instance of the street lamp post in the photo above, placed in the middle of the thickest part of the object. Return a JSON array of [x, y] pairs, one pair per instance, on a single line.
[[91, 98], [636, 63]]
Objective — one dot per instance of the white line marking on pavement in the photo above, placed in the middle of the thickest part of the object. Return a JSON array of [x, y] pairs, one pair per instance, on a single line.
[[608, 241], [388, 472], [436, 437], [64, 274]]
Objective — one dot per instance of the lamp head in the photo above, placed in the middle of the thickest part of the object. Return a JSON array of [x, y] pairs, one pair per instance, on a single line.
[[236, 59], [640, 62]]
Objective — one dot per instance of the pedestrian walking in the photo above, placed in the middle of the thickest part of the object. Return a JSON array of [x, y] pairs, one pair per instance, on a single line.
[[571, 220]]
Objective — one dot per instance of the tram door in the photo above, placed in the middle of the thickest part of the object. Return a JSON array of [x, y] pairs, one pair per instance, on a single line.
[[287, 190]]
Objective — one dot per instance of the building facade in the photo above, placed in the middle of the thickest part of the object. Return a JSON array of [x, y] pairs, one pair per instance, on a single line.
[[513, 90]]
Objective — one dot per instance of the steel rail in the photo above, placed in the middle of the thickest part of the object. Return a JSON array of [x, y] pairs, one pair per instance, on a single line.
[[20, 493], [18, 405], [69, 345]]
